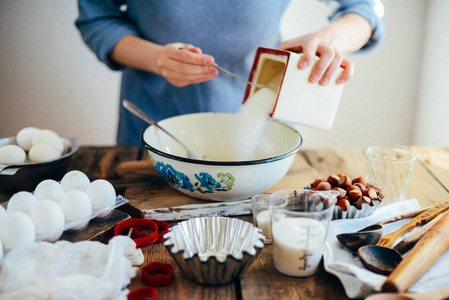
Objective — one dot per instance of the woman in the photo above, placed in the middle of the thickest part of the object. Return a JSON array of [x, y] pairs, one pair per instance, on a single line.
[[165, 49]]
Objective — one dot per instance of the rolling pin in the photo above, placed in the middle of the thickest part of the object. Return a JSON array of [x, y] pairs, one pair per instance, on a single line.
[[425, 253]]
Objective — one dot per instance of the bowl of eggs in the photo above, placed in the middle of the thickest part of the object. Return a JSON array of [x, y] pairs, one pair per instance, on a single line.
[[33, 155], [238, 158]]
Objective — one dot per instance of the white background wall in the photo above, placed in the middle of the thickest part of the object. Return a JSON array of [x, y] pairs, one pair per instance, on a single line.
[[50, 79]]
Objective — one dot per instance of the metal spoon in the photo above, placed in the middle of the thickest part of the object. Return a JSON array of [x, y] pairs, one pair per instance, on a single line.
[[139, 113], [437, 294], [244, 80], [383, 260], [372, 234]]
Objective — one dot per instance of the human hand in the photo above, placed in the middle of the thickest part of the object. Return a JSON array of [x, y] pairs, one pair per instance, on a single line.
[[329, 59], [182, 67]]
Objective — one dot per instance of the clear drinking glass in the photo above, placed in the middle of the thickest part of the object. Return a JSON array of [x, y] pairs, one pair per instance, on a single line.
[[390, 169], [299, 231], [262, 214]]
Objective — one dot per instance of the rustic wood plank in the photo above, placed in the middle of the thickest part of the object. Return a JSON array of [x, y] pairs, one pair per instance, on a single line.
[[263, 281], [436, 161], [299, 174], [184, 212], [100, 162], [351, 161], [97, 230]]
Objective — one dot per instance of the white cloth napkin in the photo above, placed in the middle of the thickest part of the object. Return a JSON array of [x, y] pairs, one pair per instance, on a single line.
[[360, 282], [64, 270]]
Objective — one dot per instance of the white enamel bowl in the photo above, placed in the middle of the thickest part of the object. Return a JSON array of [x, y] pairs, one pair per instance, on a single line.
[[217, 177]]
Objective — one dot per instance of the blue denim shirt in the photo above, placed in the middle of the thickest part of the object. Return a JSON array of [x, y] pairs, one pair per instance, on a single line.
[[230, 31]]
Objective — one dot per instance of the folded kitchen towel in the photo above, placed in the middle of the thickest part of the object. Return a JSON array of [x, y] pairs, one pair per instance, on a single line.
[[64, 270], [346, 265]]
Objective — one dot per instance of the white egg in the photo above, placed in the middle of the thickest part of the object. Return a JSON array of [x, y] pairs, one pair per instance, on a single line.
[[48, 136], [12, 154], [16, 229], [48, 219], [43, 152], [102, 194], [2, 211], [21, 201], [49, 189], [75, 180], [24, 137], [77, 208]]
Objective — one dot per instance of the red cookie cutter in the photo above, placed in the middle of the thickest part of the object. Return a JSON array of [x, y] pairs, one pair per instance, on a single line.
[[143, 293], [141, 239], [164, 227], [157, 274]]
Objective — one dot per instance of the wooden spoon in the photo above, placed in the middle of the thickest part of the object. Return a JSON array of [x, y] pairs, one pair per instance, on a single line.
[[371, 235]]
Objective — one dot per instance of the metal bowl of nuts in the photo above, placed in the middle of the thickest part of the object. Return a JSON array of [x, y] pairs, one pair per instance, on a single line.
[[357, 199]]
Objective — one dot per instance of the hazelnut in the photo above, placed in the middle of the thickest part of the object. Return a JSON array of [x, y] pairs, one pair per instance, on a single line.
[[344, 181], [354, 195], [317, 181], [324, 186], [371, 193], [352, 187], [361, 180], [333, 180], [316, 199], [363, 200], [344, 204], [360, 186], [341, 191]]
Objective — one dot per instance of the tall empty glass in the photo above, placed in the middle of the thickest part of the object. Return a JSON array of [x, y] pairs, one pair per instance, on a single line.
[[390, 169]]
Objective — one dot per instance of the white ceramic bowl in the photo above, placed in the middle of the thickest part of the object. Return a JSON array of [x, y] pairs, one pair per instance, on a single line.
[[218, 177]]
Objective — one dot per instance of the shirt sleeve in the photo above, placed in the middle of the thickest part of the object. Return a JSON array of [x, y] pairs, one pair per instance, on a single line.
[[372, 11], [102, 24]]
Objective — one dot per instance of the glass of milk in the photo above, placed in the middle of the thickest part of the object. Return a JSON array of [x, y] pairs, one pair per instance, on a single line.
[[261, 206], [299, 230]]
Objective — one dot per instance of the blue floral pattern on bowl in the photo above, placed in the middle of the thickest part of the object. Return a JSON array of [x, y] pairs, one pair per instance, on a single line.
[[206, 182]]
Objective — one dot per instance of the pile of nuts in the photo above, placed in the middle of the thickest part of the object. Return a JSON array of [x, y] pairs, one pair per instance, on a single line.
[[352, 192]]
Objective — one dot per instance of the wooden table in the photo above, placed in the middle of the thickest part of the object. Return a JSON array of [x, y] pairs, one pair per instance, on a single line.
[[131, 172]]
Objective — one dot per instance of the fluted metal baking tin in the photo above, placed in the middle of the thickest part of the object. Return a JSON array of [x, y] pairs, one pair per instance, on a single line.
[[214, 250]]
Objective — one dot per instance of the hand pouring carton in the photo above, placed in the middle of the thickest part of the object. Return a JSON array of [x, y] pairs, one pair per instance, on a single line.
[[298, 101]]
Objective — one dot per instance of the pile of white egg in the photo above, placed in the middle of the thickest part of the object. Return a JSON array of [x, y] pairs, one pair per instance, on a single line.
[[54, 207], [41, 144]]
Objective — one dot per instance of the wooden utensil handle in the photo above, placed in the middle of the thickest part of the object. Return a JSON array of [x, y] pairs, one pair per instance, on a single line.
[[401, 217], [429, 248], [410, 240], [422, 218]]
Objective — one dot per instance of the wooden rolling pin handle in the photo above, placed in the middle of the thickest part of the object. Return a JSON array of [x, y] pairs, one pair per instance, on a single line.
[[425, 253]]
